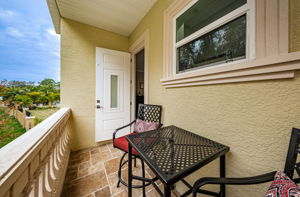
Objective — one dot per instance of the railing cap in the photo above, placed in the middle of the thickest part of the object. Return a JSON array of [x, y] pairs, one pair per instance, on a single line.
[[12, 154]]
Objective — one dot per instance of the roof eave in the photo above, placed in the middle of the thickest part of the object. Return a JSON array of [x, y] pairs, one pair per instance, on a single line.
[[55, 14]]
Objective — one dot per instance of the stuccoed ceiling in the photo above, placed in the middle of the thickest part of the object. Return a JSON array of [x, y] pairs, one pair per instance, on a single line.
[[119, 16]]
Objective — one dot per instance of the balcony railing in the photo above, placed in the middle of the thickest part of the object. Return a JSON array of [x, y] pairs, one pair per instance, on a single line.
[[35, 163]]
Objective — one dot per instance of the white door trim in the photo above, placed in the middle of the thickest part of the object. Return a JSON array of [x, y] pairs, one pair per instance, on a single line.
[[141, 43]]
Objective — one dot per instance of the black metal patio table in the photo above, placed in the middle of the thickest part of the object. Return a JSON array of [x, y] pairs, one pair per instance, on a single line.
[[173, 153]]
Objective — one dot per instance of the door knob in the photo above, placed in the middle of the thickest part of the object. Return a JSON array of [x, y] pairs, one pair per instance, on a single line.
[[99, 107]]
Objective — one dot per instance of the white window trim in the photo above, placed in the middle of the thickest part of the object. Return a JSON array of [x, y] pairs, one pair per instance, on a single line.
[[263, 61], [248, 9]]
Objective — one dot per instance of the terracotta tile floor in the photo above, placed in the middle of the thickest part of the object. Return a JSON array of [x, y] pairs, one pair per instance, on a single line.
[[93, 173]]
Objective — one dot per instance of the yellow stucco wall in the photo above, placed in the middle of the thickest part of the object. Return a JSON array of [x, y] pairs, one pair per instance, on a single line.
[[78, 44], [253, 118]]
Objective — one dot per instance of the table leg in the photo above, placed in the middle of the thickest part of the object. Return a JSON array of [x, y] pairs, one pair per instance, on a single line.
[[222, 174], [167, 191], [144, 176], [129, 170]]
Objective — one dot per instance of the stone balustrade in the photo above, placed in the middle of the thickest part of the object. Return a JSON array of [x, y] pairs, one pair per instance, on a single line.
[[26, 121], [35, 163]]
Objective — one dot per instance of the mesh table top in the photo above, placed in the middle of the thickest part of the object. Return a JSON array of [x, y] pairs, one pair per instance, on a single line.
[[174, 153]]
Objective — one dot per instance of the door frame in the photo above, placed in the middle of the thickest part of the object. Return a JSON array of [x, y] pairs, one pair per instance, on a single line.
[[98, 89], [141, 43]]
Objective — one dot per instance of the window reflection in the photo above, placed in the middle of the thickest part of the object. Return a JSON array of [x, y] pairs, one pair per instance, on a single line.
[[224, 44], [202, 13]]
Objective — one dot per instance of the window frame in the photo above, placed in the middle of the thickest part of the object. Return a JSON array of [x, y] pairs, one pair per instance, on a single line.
[[247, 9], [273, 56]]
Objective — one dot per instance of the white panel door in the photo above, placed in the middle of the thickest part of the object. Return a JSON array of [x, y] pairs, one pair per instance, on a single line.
[[112, 92]]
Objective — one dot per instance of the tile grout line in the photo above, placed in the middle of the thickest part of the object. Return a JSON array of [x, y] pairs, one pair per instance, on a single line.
[[91, 165], [101, 189], [119, 193], [110, 190], [90, 194], [78, 172], [105, 176]]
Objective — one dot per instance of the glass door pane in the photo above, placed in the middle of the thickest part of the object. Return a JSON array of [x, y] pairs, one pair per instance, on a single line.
[[114, 91]]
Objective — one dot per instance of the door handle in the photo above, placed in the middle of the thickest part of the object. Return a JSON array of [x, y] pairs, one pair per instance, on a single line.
[[99, 107]]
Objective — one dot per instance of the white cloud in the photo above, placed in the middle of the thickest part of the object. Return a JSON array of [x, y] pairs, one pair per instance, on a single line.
[[14, 32], [41, 44], [56, 54], [6, 14], [52, 32]]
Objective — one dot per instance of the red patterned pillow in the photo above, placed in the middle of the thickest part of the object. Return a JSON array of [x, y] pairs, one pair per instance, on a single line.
[[142, 126], [283, 186]]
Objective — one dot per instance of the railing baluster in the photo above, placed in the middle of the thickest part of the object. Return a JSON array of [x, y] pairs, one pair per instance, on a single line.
[[52, 169], [37, 168], [47, 182]]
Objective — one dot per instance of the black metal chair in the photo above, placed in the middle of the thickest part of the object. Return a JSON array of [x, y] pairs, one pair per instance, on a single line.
[[290, 166], [146, 112]]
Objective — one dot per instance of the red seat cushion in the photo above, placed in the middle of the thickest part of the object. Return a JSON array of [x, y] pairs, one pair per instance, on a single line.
[[122, 143]]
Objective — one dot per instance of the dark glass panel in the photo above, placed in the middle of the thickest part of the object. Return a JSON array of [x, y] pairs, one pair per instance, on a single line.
[[224, 44], [203, 13]]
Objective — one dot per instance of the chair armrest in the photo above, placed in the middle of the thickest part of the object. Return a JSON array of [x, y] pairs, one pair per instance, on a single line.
[[118, 129], [233, 181], [160, 125]]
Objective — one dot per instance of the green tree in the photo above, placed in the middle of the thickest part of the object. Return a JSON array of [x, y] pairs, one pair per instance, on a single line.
[[23, 100], [10, 93], [35, 96], [52, 97], [51, 90], [48, 82], [42, 99], [26, 93]]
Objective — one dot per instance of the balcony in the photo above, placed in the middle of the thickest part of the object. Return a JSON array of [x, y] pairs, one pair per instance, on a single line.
[[39, 163], [249, 105]]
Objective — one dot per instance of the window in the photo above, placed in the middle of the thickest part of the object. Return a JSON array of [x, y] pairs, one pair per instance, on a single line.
[[256, 46], [211, 32]]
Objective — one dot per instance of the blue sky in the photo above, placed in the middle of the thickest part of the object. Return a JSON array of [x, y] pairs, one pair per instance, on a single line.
[[29, 47]]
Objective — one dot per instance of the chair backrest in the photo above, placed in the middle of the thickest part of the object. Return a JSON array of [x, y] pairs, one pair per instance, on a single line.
[[150, 113], [291, 163]]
